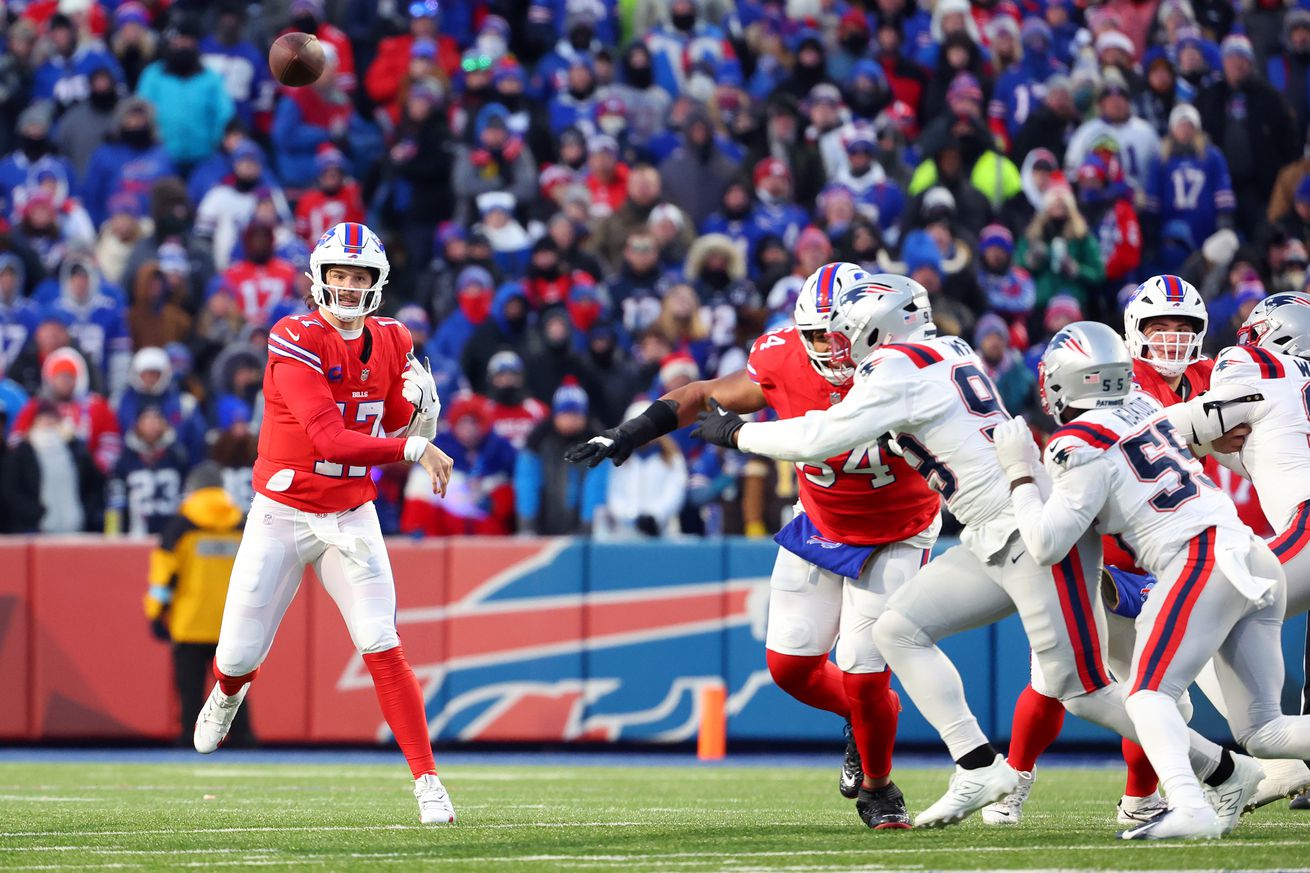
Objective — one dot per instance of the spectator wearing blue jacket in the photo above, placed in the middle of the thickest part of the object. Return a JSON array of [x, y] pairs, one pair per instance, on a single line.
[[242, 67], [130, 161], [94, 320], [65, 75], [1188, 181], [1020, 89], [551, 496], [775, 213], [19, 315], [191, 102], [474, 299], [575, 104], [578, 43], [34, 144], [150, 383]]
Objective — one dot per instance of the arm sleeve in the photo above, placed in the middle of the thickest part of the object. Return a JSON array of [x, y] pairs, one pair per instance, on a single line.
[[1049, 529], [309, 400], [879, 402]]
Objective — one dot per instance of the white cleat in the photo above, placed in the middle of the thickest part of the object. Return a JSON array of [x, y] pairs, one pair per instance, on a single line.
[[970, 791], [215, 718], [434, 806], [1231, 796], [1283, 778], [1009, 809], [1139, 810], [1184, 823]]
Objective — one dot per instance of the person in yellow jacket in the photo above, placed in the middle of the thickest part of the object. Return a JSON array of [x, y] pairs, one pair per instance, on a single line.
[[189, 573]]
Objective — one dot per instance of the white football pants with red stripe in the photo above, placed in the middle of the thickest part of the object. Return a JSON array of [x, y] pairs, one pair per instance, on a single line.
[[1061, 611]]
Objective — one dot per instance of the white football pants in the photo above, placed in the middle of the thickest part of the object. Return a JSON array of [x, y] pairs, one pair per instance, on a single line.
[[347, 552]]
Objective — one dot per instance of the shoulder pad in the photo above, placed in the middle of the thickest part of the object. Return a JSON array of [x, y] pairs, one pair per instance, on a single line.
[[1248, 361], [887, 359], [1078, 443], [1068, 452]]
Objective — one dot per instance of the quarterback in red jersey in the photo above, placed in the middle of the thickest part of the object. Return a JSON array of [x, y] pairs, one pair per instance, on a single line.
[[342, 392], [1164, 324], [864, 526]]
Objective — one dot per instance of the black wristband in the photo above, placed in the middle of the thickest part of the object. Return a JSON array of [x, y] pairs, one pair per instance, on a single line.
[[660, 418]]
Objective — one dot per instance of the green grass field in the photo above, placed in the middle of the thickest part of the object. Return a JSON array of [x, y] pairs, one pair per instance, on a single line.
[[235, 813]]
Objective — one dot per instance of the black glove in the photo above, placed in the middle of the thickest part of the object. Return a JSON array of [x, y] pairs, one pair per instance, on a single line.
[[718, 426], [159, 630], [620, 442], [613, 443], [648, 525]]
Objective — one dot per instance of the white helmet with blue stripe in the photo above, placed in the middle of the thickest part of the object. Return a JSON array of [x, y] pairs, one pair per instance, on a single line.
[[813, 310], [1169, 352], [348, 244]]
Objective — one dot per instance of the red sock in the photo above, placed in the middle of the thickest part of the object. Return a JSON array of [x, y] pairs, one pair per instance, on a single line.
[[233, 684], [875, 710], [1142, 781], [1037, 722], [402, 705], [811, 679]]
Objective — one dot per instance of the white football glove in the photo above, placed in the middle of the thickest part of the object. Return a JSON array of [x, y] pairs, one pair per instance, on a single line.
[[1015, 449], [420, 388]]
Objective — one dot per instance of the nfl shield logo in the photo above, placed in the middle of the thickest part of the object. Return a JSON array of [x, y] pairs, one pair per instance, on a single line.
[[363, 375]]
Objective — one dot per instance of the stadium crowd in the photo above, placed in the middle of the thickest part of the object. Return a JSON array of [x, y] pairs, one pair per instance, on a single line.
[[589, 202]]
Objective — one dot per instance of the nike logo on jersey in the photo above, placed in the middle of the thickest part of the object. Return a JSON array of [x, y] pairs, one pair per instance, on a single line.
[[1016, 558], [294, 336]]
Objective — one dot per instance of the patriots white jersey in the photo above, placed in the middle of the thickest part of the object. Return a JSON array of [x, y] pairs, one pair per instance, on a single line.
[[1128, 469], [935, 398], [1277, 451]]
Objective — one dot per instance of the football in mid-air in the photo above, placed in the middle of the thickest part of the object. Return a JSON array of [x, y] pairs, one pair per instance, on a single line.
[[296, 59]]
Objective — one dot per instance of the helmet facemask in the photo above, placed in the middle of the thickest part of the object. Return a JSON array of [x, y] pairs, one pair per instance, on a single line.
[[329, 296], [1170, 352], [823, 361]]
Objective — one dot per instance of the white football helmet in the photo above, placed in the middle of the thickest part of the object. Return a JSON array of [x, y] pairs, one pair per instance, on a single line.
[[1280, 323], [353, 245], [813, 309], [1170, 352], [882, 309], [1086, 366]]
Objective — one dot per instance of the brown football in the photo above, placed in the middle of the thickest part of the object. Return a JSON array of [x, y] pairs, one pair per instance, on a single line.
[[296, 59]]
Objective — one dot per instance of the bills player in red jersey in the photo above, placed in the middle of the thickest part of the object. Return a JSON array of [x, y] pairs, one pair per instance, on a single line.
[[342, 392], [1164, 324], [865, 524]]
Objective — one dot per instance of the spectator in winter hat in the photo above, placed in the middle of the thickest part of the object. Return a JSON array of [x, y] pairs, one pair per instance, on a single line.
[[1187, 154], [922, 261], [1106, 203], [228, 208], [1059, 250], [552, 496], [474, 295], [131, 161], [508, 327], [1050, 125], [383, 79], [513, 413], [1115, 50], [158, 315], [775, 211], [65, 382], [191, 102], [64, 74], [88, 123], [1008, 289], [498, 161], [1137, 140], [813, 250], [1061, 311], [1289, 69], [959, 54], [694, 176], [1251, 124], [117, 236], [335, 197], [866, 90], [1004, 366], [878, 198], [607, 176]]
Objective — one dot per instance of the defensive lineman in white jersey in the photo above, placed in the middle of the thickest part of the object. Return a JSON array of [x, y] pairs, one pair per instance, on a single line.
[[932, 395], [1119, 464]]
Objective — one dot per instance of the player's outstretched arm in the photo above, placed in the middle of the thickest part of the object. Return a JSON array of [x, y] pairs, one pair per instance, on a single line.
[[676, 409]]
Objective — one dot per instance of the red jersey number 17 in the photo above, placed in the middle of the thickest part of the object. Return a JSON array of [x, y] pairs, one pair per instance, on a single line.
[[368, 413]]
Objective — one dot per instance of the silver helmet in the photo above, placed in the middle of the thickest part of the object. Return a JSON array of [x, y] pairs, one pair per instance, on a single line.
[[1087, 365], [884, 308], [1280, 323]]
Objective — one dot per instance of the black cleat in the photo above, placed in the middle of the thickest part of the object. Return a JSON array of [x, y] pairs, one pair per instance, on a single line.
[[883, 808], [1301, 801], [852, 769]]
